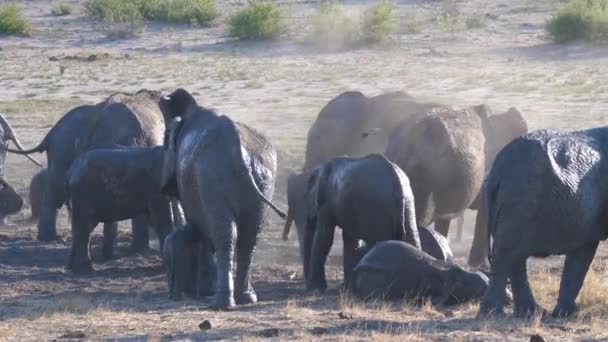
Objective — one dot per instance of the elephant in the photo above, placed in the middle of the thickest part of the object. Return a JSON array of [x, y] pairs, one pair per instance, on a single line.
[[180, 254], [109, 185], [446, 153], [435, 244], [338, 131], [37, 189], [224, 172], [368, 197], [122, 119], [545, 195], [395, 270]]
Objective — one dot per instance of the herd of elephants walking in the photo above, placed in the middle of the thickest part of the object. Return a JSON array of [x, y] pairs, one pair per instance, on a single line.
[[384, 169]]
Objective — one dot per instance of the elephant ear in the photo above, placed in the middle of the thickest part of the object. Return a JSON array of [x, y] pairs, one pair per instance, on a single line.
[[315, 189], [168, 172], [178, 103]]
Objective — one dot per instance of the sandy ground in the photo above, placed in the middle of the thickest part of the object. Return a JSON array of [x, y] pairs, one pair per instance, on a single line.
[[279, 87]]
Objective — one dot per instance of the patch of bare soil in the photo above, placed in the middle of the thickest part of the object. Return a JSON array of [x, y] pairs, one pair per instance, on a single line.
[[279, 87]]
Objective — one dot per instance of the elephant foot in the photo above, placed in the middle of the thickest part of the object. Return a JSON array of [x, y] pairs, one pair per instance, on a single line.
[[137, 248], [316, 286], [80, 267], [564, 310], [246, 297], [488, 311], [175, 296], [223, 301], [529, 311], [47, 236], [109, 255]]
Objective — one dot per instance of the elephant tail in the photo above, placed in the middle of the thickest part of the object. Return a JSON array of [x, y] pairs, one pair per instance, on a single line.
[[249, 171], [491, 191]]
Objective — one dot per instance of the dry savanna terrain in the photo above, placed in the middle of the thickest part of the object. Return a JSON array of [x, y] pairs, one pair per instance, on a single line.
[[279, 86]]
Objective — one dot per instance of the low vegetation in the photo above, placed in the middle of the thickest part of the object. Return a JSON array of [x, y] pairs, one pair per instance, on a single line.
[[127, 17], [259, 20], [378, 22], [580, 19], [61, 8], [12, 21]]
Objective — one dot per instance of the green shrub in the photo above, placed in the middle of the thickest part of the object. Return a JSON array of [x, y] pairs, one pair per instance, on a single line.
[[12, 22], [118, 18], [332, 27], [62, 8], [579, 19], [199, 12], [378, 22], [260, 19]]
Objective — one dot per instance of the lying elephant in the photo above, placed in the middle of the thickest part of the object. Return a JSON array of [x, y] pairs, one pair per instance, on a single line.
[[395, 270], [110, 185], [369, 198]]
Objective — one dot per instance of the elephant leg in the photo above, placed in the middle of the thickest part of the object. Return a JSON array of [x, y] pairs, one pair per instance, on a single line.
[[478, 256], [249, 228], [302, 245], [575, 269], [206, 275], [224, 232], [321, 245], [140, 234], [80, 257], [442, 227], [349, 259], [525, 305], [52, 201], [459, 227], [493, 300], [110, 237]]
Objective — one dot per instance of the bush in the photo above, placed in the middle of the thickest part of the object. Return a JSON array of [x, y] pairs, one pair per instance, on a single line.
[[580, 19], [331, 27], [61, 9], [200, 12], [378, 22], [118, 18], [260, 19], [12, 22]]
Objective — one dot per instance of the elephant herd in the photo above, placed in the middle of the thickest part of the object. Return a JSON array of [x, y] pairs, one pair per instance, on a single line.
[[383, 169]]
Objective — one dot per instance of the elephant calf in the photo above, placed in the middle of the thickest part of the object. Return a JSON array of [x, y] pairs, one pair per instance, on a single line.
[[38, 186], [10, 201], [180, 253], [369, 198], [395, 270], [109, 185]]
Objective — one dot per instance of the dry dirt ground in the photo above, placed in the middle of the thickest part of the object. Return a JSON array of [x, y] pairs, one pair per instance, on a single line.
[[279, 88]]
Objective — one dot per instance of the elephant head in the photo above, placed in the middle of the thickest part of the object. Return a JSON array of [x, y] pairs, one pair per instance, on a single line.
[[168, 172], [179, 103], [10, 201]]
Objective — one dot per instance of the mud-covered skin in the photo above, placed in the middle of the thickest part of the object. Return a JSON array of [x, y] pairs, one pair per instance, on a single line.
[[180, 254], [121, 119], [545, 195], [435, 244], [38, 186], [224, 172], [110, 185], [396, 270], [368, 197]]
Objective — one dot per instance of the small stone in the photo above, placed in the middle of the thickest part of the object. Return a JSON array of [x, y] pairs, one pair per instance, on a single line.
[[61, 69], [343, 315], [73, 334], [448, 313], [92, 58], [53, 59], [270, 332], [319, 331], [205, 325], [536, 338]]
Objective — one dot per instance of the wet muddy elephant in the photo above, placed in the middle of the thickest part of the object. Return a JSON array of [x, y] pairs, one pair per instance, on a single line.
[[224, 173], [446, 153], [546, 194], [122, 119], [395, 270], [109, 185], [369, 198]]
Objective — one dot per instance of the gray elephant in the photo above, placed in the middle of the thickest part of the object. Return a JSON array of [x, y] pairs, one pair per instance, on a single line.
[[180, 254], [337, 131], [446, 153], [224, 173], [109, 185], [38, 186], [122, 119], [545, 195], [368, 197], [10, 201], [395, 270]]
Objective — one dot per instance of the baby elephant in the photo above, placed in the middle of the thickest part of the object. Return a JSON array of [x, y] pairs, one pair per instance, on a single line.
[[109, 185], [38, 186], [180, 252], [395, 270]]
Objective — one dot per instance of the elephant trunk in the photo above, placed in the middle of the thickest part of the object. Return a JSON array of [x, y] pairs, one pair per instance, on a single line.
[[10, 134], [287, 227]]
